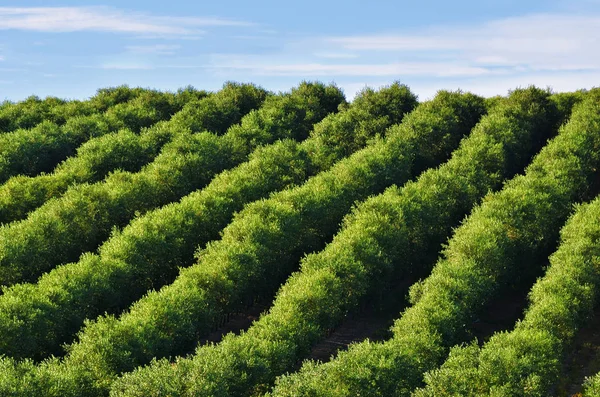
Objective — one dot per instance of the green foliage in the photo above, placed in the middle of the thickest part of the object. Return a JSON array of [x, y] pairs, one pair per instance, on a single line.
[[62, 229], [32, 111], [142, 111], [527, 361], [53, 129], [106, 98], [28, 113], [32, 151], [65, 296], [124, 150], [390, 103], [220, 111], [514, 226], [253, 230], [565, 101], [40, 149], [592, 386], [370, 114], [212, 167], [510, 229], [502, 242], [311, 301], [131, 260]]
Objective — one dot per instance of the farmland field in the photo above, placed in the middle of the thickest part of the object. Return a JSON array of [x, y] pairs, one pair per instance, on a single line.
[[251, 243]]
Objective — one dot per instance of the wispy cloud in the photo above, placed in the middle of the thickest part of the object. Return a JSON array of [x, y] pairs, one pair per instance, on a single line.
[[396, 42], [124, 65], [105, 19], [559, 51], [279, 68], [558, 82], [488, 58], [484, 85], [156, 49], [540, 42], [335, 55]]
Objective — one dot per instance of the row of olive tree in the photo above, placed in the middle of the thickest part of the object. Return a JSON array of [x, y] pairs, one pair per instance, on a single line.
[[268, 238], [527, 361], [126, 150], [503, 242], [405, 224], [36, 318], [62, 229], [32, 111], [41, 148], [264, 243]]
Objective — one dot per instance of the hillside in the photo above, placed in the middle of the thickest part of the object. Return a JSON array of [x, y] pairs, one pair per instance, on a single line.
[[250, 243]]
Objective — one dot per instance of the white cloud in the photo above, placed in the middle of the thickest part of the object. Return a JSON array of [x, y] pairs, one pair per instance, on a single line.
[[104, 19], [125, 66], [487, 58], [490, 58], [537, 42], [278, 67], [157, 49], [484, 86], [395, 43], [335, 55], [558, 82]]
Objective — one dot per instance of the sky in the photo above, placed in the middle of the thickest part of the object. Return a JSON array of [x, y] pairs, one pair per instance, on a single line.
[[69, 49]]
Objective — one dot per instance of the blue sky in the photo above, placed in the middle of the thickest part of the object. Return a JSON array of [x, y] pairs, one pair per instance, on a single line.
[[70, 49]]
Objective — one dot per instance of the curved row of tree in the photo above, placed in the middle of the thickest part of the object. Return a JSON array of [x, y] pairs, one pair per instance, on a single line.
[[124, 149], [260, 247], [33, 110], [293, 222], [64, 228], [36, 318], [306, 201], [527, 361], [361, 260], [501, 244], [41, 148]]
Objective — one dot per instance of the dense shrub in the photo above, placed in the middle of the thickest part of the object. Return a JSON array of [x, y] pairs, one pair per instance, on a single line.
[[503, 241], [62, 229], [527, 361], [125, 150], [148, 252], [300, 219]]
